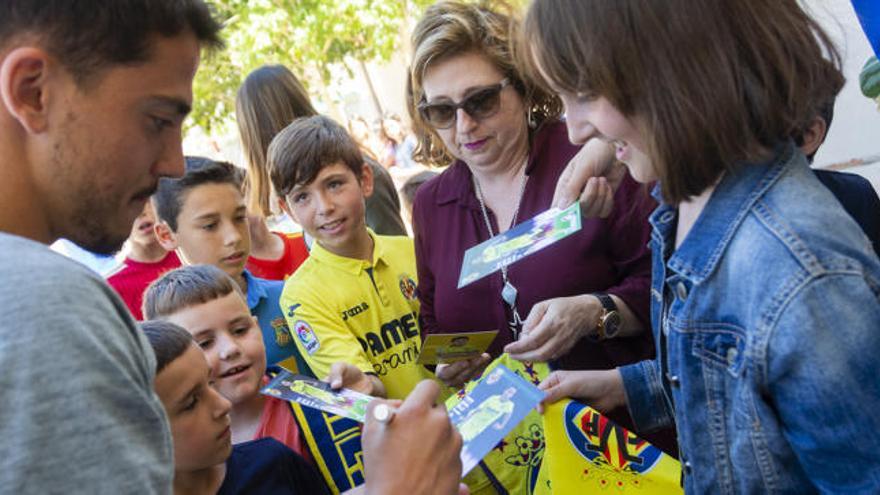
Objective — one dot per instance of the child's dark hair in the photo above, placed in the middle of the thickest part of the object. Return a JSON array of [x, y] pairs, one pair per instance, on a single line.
[[169, 341], [823, 100], [412, 185], [171, 193], [185, 287], [307, 145]]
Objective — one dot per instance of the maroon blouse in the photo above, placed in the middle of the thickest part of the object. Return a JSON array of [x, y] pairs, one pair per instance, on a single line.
[[608, 255]]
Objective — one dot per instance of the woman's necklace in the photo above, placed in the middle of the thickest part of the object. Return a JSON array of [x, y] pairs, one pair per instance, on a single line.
[[508, 291]]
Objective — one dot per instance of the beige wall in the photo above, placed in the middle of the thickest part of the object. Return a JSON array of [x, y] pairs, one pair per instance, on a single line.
[[855, 132]]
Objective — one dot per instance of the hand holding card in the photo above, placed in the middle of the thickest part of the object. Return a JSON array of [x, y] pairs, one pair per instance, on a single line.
[[457, 374], [319, 395], [483, 417], [346, 375], [522, 240]]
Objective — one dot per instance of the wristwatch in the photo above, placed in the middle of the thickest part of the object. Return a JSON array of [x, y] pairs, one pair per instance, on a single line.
[[609, 320]]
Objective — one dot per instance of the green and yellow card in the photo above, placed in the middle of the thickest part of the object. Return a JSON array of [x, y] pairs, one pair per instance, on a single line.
[[451, 347]]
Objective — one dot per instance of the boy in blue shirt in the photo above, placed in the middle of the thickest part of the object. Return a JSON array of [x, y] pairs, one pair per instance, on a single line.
[[203, 217]]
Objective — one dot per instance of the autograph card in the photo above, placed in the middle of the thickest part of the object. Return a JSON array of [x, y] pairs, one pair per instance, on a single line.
[[494, 407], [520, 241], [317, 394], [451, 347]]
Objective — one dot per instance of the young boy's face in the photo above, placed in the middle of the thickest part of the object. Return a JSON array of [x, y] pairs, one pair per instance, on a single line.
[[212, 229], [232, 342], [331, 207], [142, 233], [199, 416]]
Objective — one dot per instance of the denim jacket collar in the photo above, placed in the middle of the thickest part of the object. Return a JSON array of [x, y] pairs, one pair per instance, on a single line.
[[736, 193]]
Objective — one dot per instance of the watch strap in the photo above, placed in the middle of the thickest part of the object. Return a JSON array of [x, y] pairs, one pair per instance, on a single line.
[[607, 302], [609, 320]]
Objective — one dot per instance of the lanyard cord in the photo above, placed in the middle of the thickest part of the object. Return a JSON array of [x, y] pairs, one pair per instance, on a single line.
[[508, 292]]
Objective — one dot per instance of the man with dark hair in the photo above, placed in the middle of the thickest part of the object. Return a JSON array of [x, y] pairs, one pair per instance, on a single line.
[[93, 97]]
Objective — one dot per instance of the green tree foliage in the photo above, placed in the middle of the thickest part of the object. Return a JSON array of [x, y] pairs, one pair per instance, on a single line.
[[308, 36]]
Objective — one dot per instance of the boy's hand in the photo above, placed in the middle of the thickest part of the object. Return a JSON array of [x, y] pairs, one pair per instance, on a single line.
[[416, 451], [457, 374], [344, 375], [601, 389]]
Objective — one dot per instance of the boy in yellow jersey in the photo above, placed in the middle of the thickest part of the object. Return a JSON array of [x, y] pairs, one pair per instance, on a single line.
[[354, 299]]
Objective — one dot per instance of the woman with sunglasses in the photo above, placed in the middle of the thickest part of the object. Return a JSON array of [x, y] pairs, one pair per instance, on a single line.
[[581, 303]]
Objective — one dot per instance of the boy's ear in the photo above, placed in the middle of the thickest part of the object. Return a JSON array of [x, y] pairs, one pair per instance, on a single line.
[[367, 180], [24, 87], [166, 237], [814, 136]]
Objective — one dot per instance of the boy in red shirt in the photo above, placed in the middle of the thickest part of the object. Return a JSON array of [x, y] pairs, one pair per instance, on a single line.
[[274, 255], [146, 261]]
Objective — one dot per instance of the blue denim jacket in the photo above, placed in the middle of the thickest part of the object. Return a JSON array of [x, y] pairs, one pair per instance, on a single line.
[[767, 323]]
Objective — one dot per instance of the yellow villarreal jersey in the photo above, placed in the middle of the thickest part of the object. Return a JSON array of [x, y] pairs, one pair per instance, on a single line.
[[348, 310]]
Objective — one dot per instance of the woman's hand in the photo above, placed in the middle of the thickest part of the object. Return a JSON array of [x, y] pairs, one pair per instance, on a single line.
[[345, 375], [458, 373], [603, 390], [554, 326], [591, 177]]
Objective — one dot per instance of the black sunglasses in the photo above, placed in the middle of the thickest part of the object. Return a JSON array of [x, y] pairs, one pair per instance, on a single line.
[[480, 105]]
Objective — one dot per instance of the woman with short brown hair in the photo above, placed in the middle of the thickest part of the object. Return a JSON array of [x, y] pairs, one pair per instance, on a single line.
[[766, 294]]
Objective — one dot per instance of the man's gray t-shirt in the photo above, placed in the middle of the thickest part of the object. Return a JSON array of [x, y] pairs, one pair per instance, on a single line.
[[78, 413]]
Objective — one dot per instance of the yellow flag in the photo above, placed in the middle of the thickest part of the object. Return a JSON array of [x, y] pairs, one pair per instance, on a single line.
[[588, 453]]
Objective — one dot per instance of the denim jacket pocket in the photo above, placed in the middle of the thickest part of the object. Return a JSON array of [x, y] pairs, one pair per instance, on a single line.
[[722, 346]]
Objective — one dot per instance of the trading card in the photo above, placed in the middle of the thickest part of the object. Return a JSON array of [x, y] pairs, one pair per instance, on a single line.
[[451, 347], [494, 407], [317, 394], [526, 238]]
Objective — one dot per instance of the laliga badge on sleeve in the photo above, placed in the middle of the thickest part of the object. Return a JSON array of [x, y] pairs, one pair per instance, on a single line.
[[306, 336], [526, 238], [487, 414], [451, 347], [317, 394]]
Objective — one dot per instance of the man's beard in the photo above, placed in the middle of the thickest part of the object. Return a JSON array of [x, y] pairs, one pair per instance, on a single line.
[[96, 238], [93, 224]]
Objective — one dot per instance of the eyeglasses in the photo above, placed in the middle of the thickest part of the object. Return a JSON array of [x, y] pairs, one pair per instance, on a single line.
[[480, 105]]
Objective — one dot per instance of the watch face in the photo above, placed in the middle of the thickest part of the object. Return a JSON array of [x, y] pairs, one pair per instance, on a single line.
[[611, 323]]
